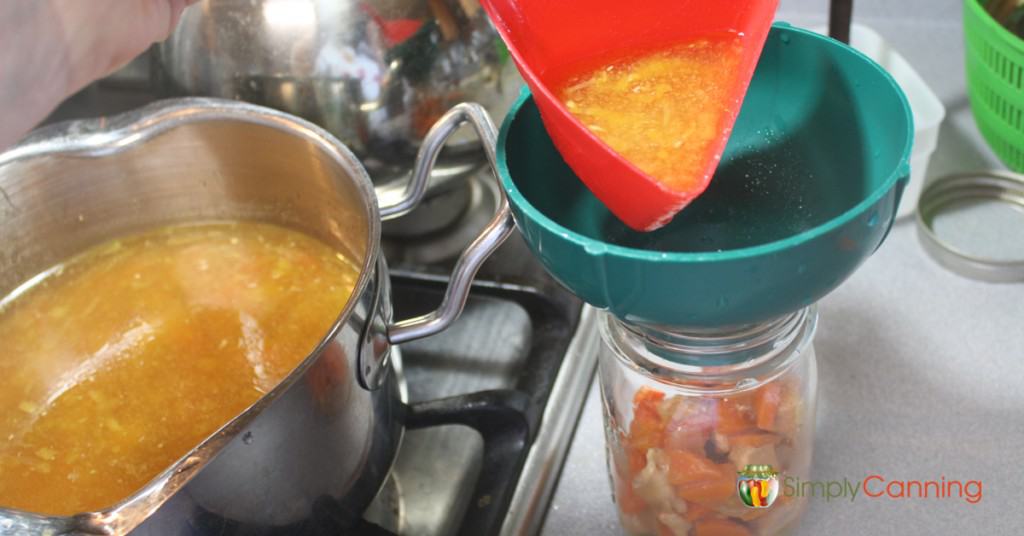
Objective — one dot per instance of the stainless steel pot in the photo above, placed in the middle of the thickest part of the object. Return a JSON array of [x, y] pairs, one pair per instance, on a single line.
[[320, 444], [375, 73]]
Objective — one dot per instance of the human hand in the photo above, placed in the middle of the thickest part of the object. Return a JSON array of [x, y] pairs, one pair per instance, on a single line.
[[50, 49]]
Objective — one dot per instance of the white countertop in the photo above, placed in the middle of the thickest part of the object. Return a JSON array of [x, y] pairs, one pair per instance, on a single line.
[[921, 371]]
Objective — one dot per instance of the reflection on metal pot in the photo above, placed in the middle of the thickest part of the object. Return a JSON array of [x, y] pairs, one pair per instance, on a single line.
[[375, 73]]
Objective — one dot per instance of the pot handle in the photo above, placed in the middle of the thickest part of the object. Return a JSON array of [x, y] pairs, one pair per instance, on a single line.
[[499, 228]]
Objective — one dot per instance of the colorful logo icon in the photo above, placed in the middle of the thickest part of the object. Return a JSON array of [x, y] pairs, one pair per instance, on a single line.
[[758, 485]]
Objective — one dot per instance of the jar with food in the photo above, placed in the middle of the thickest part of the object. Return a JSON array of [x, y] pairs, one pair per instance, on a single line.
[[704, 426]]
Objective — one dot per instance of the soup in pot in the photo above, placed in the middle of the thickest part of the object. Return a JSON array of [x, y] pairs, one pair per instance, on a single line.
[[122, 359]]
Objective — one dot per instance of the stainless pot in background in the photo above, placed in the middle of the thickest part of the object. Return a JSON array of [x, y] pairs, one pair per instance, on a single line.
[[320, 444], [375, 73]]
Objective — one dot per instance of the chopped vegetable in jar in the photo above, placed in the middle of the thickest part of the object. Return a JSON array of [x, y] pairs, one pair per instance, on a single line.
[[677, 466]]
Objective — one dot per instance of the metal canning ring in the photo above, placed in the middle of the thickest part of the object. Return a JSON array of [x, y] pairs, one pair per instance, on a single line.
[[947, 194]]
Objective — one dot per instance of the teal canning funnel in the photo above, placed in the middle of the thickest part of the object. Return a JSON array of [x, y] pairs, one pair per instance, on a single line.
[[807, 189]]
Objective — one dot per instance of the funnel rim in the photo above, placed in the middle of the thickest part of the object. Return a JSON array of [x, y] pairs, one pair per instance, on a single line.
[[901, 171]]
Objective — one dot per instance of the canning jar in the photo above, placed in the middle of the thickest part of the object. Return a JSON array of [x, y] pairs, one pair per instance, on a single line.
[[704, 426]]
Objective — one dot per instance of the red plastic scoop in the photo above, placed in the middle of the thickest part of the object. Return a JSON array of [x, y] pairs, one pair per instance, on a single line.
[[549, 39]]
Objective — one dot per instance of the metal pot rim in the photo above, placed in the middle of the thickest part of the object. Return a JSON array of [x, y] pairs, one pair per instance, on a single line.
[[91, 138]]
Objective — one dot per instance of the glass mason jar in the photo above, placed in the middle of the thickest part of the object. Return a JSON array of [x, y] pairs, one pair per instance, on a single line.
[[703, 426]]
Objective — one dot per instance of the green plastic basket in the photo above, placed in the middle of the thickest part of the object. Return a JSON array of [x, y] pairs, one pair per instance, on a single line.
[[995, 82]]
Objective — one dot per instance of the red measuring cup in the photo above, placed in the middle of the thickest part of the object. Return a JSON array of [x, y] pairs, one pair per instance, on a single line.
[[549, 38]]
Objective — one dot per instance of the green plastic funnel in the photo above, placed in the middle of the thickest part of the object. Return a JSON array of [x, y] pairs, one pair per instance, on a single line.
[[807, 190]]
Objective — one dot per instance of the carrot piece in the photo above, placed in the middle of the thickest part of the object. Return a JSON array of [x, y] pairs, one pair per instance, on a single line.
[[648, 398], [753, 439], [719, 527], [647, 430], [767, 402], [695, 512], [685, 467], [637, 461], [708, 492], [735, 415], [627, 499], [713, 491]]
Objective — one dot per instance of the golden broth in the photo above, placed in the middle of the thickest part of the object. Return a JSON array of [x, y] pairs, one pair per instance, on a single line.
[[662, 110], [126, 357]]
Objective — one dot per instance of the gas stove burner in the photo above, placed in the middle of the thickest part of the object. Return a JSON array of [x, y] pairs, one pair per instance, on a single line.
[[478, 477], [447, 243]]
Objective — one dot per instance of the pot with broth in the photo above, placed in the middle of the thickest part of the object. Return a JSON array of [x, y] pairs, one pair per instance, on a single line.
[[122, 359], [194, 371]]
